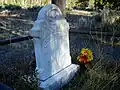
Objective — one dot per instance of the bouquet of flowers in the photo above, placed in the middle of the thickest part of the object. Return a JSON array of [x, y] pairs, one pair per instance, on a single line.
[[86, 56]]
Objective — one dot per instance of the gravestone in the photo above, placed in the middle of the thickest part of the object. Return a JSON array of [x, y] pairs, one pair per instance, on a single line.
[[51, 43]]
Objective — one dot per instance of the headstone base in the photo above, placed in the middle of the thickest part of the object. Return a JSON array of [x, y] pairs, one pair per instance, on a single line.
[[60, 79]]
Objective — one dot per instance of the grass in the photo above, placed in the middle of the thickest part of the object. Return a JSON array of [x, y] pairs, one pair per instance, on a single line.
[[17, 78], [104, 75], [18, 72], [24, 3]]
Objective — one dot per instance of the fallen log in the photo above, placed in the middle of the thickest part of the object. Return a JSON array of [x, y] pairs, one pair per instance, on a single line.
[[14, 40]]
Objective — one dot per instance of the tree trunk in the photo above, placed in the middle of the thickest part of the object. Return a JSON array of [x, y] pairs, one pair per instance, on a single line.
[[60, 3]]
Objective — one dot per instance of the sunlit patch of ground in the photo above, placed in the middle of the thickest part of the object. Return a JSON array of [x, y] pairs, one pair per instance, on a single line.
[[7, 13], [81, 12], [16, 23]]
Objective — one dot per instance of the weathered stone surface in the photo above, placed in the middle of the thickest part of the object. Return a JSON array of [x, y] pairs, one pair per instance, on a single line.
[[60, 79], [51, 42]]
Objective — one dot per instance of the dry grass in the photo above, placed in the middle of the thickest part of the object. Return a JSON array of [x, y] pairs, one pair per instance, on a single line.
[[25, 3], [20, 75], [105, 75]]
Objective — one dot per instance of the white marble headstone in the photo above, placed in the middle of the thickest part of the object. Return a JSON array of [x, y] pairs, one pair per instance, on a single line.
[[51, 42]]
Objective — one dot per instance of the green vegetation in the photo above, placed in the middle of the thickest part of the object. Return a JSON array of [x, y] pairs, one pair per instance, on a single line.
[[24, 3], [113, 4], [70, 3]]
